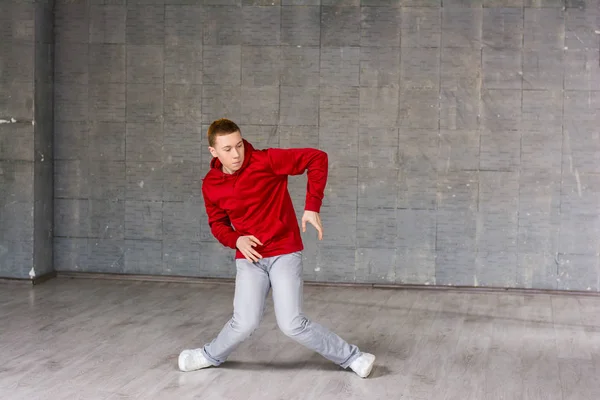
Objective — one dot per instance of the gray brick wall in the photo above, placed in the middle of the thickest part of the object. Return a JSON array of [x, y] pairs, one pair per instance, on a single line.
[[26, 156], [463, 137]]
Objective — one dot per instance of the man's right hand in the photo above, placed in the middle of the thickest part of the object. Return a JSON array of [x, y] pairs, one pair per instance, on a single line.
[[246, 245]]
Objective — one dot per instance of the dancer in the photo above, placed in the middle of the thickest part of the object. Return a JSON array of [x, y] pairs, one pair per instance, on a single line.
[[250, 210]]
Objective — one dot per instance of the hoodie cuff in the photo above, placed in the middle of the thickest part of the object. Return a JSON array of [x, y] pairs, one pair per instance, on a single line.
[[313, 204], [232, 240]]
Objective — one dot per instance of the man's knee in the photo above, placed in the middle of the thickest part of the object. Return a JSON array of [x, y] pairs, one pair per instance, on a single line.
[[245, 326], [292, 326]]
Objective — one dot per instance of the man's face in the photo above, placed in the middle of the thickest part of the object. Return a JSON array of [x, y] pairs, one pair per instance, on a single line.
[[229, 149]]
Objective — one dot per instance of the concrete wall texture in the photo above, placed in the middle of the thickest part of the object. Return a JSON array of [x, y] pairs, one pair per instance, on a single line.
[[463, 136], [26, 135]]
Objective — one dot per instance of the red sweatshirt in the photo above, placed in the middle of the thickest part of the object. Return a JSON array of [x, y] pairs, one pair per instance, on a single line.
[[255, 201]]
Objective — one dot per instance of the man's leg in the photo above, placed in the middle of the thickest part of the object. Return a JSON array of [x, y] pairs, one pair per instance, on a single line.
[[251, 289], [287, 284]]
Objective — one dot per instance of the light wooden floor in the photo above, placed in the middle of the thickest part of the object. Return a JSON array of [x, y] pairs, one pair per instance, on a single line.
[[93, 339]]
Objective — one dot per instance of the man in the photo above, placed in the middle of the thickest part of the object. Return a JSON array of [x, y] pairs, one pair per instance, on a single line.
[[250, 210]]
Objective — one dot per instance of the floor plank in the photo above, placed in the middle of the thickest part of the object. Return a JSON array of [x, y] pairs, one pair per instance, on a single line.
[[109, 340]]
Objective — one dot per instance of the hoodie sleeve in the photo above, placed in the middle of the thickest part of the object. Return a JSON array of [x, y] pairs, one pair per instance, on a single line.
[[296, 162], [219, 223]]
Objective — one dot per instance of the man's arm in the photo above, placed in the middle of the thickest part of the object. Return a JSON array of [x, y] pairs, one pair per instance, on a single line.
[[296, 162], [219, 223]]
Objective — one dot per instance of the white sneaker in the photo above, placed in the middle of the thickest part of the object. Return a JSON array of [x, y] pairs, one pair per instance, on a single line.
[[191, 360], [363, 365]]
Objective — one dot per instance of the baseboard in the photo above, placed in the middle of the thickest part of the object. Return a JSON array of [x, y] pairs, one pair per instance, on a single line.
[[143, 278], [28, 281], [488, 289], [16, 281], [43, 278], [231, 281]]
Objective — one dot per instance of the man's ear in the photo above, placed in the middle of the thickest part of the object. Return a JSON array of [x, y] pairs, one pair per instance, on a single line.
[[212, 151]]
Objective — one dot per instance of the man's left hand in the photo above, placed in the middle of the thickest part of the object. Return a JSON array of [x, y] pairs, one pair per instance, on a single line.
[[315, 220]]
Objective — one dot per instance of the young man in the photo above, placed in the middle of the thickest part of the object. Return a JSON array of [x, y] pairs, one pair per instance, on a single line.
[[250, 210]]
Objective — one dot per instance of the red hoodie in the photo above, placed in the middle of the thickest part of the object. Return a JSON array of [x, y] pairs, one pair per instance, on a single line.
[[255, 201]]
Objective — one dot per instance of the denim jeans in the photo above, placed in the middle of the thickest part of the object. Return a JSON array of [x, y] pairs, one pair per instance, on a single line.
[[282, 274]]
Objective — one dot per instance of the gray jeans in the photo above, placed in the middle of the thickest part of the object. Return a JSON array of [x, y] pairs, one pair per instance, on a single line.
[[284, 275]]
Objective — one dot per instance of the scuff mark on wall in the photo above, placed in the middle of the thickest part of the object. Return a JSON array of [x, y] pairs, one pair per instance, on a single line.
[[567, 145], [578, 182]]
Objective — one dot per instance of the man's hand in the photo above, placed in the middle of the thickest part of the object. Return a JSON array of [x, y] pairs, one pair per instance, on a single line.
[[246, 245], [315, 220]]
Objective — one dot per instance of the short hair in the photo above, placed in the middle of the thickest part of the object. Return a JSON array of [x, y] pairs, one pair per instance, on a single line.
[[221, 127]]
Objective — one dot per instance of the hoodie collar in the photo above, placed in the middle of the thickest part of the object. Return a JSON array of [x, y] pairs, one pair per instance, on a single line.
[[217, 165]]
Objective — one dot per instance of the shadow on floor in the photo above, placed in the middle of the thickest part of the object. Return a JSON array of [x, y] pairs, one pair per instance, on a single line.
[[300, 365]]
